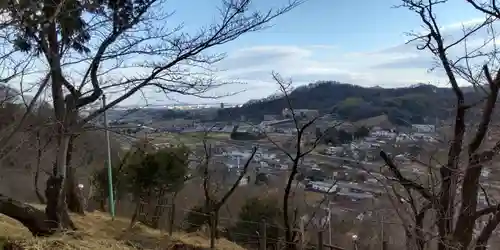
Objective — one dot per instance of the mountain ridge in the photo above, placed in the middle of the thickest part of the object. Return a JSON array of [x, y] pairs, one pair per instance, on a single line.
[[421, 103]]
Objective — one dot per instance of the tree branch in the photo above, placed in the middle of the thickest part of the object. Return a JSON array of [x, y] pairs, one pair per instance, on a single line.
[[223, 200], [404, 181]]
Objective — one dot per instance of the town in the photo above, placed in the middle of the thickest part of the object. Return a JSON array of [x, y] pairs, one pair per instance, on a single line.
[[348, 174]]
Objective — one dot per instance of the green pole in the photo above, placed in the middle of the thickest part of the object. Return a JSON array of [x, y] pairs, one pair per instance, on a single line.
[[111, 191], [108, 163]]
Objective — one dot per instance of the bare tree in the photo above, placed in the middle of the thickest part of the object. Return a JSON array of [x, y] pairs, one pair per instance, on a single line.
[[105, 43], [300, 148], [39, 154], [213, 201], [456, 213]]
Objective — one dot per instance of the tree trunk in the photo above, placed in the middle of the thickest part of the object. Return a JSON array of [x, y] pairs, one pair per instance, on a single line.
[[143, 213], [172, 214], [74, 196], [159, 209], [216, 224], [39, 195], [136, 213], [30, 217], [213, 228], [36, 178], [286, 210], [102, 204], [56, 210]]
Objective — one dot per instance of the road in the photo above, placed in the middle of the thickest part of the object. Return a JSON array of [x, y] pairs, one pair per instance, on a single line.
[[330, 157]]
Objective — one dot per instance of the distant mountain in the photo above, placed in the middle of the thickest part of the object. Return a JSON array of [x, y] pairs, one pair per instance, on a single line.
[[416, 104]]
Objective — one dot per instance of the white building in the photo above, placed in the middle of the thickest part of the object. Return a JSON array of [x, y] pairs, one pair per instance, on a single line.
[[300, 113], [334, 150], [424, 128], [324, 187], [383, 133]]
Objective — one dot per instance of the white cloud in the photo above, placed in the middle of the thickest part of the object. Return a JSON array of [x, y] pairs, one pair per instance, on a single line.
[[467, 23], [396, 66], [385, 68]]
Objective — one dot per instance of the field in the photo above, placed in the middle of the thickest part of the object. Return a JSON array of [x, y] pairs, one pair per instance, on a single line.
[[98, 231], [192, 138]]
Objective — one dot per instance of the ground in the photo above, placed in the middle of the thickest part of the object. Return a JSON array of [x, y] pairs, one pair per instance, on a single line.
[[98, 231]]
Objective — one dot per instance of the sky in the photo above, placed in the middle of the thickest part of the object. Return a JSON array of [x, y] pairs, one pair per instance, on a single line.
[[359, 42], [353, 41]]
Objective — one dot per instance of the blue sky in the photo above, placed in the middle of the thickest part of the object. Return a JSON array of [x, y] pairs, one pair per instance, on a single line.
[[353, 41]]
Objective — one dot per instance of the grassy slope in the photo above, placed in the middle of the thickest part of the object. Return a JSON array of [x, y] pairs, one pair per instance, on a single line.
[[98, 231]]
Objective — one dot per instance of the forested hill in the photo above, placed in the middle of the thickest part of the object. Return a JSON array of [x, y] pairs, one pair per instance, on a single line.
[[416, 104]]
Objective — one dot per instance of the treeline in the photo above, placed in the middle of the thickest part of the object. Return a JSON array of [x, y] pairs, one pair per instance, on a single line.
[[417, 104], [335, 136]]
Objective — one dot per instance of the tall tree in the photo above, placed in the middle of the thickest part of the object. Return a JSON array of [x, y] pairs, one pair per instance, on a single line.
[[103, 37], [301, 147], [453, 193]]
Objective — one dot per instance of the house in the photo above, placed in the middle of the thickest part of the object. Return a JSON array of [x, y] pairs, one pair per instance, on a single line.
[[383, 133], [275, 125], [423, 128], [245, 129], [334, 150], [323, 187], [270, 117], [300, 113], [403, 137]]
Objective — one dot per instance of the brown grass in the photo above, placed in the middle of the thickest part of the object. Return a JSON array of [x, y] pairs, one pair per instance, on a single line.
[[98, 231]]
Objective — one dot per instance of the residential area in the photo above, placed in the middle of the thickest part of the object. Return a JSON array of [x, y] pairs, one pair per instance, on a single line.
[[346, 174]]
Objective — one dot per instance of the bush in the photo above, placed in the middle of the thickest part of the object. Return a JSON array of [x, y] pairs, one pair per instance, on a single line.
[[164, 169], [254, 211]]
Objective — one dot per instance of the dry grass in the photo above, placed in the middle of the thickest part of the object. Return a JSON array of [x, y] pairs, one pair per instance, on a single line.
[[98, 231]]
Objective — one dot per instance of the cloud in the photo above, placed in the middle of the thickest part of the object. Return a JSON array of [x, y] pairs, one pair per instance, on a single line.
[[412, 62], [387, 68], [463, 24], [396, 66]]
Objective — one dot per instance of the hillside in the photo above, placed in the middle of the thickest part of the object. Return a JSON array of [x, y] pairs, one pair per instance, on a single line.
[[416, 104], [98, 231], [32, 148]]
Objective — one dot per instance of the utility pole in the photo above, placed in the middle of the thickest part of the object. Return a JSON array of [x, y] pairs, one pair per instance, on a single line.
[[108, 163]]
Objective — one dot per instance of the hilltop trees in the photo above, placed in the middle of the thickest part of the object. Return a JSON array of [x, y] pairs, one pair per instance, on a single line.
[[96, 41], [414, 104]]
